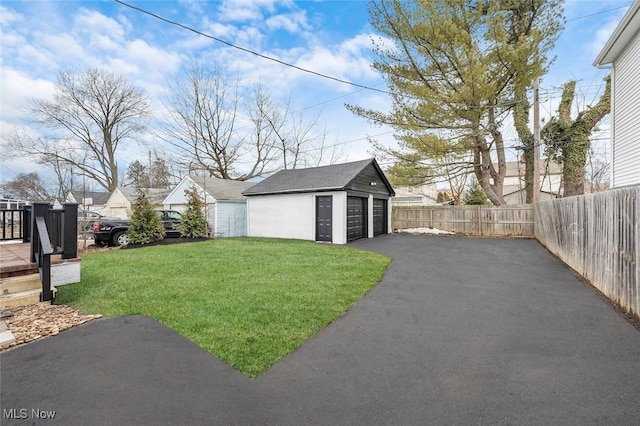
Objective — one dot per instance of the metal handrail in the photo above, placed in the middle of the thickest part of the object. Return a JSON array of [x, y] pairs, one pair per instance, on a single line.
[[52, 231], [43, 259]]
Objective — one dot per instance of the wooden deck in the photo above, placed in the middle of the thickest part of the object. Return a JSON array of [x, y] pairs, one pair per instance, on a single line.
[[14, 259]]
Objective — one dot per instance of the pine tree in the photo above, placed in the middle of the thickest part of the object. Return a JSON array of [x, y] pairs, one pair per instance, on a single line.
[[146, 226], [443, 197], [452, 68], [194, 223], [475, 195]]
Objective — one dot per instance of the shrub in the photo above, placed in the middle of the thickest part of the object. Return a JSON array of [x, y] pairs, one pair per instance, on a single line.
[[475, 195], [194, 223], [443, 197], [146, 225]]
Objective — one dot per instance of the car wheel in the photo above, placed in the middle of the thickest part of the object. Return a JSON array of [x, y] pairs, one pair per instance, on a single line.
[[120, 239]]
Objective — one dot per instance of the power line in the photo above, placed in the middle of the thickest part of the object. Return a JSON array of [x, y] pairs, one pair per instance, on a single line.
[[244, 49], [598, 13]]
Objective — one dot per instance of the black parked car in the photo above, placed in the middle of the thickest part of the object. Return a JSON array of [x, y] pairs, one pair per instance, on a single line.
[[113, 232], [86, 219]]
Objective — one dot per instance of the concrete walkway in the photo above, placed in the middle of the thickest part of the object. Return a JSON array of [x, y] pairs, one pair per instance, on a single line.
[[459, 331]]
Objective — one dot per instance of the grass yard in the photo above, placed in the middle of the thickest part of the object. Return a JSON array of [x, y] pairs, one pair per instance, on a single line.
[[248, 301]]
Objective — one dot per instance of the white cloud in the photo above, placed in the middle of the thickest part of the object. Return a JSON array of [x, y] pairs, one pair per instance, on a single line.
[[8, 16], [193, 6], [350, 60], [291, 22], [151, 58], [16, 88], [601, 36], [244, 10], [94, 23]]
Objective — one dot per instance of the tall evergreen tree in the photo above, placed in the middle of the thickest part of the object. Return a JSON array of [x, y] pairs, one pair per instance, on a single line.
[[194, 222], [452, 67], [146, 225]]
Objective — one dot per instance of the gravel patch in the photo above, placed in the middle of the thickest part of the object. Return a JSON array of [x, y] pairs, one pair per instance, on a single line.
[[33, 322]]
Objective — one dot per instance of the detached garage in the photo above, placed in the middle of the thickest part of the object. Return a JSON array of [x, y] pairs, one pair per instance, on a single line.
[[337, 203]]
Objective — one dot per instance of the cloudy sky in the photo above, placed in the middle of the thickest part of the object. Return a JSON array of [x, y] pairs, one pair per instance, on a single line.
[[40, 38]]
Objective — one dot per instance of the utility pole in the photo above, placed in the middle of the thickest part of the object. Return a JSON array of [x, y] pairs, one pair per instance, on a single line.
[[536, 141]]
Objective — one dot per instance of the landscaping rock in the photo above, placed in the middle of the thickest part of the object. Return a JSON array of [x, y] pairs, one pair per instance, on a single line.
[[33, 322]]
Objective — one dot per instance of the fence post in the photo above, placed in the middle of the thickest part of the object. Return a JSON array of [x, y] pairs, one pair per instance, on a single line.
[[26, 224], [479, 222], [70, 231]]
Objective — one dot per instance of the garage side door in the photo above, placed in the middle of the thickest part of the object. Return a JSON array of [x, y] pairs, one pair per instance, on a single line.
[[324, 214], [356, 218], [379, 216]]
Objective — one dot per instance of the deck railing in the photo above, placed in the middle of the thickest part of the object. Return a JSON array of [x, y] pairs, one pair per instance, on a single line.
[[12, 224]]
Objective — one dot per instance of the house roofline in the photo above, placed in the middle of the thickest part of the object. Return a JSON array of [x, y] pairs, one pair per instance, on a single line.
[[622, 35]]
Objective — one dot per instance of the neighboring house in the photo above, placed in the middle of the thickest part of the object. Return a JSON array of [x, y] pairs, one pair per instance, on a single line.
[[337, 203], [225, 207], [119, 203], [622, 54], [11, 204], [94, 201], [513, 189], [416, 195]]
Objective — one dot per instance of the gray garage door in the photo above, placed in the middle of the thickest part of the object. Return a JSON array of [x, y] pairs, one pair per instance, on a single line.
[[379, 216], [356, 218]]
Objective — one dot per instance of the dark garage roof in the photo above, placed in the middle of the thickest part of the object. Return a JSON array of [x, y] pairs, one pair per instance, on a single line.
[[336, 177]]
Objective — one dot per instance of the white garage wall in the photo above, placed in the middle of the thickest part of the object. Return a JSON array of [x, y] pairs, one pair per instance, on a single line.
[[339, 219], [282, 216], [294, 216]]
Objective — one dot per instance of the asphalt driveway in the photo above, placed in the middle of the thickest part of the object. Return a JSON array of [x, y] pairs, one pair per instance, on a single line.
[[459, 331]]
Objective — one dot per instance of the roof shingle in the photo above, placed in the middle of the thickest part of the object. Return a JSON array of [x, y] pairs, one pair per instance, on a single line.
[[324, 178]]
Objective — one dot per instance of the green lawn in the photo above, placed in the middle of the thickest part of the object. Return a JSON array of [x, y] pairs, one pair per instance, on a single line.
[[248, 301]]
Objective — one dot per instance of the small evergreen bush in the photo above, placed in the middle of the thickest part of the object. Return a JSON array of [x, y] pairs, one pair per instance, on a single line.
[[443, 197], [475, 195], [194, 223], [146, 225]]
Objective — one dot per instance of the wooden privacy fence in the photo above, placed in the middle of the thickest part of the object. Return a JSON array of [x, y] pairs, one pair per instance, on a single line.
[[598, 235], [515, 221]]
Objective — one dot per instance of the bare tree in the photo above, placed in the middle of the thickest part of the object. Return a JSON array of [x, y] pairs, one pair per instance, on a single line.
[[27, 186], [210, 129], [298, 143], [67, 181], [91, 115], [202, 114], [597, 171]]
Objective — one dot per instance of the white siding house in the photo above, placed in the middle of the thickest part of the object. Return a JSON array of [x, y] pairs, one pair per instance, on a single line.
[[89, 200], [119, 203], [513, 190], [225, 206], [416, 195], [622, 54], [336, 204]]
